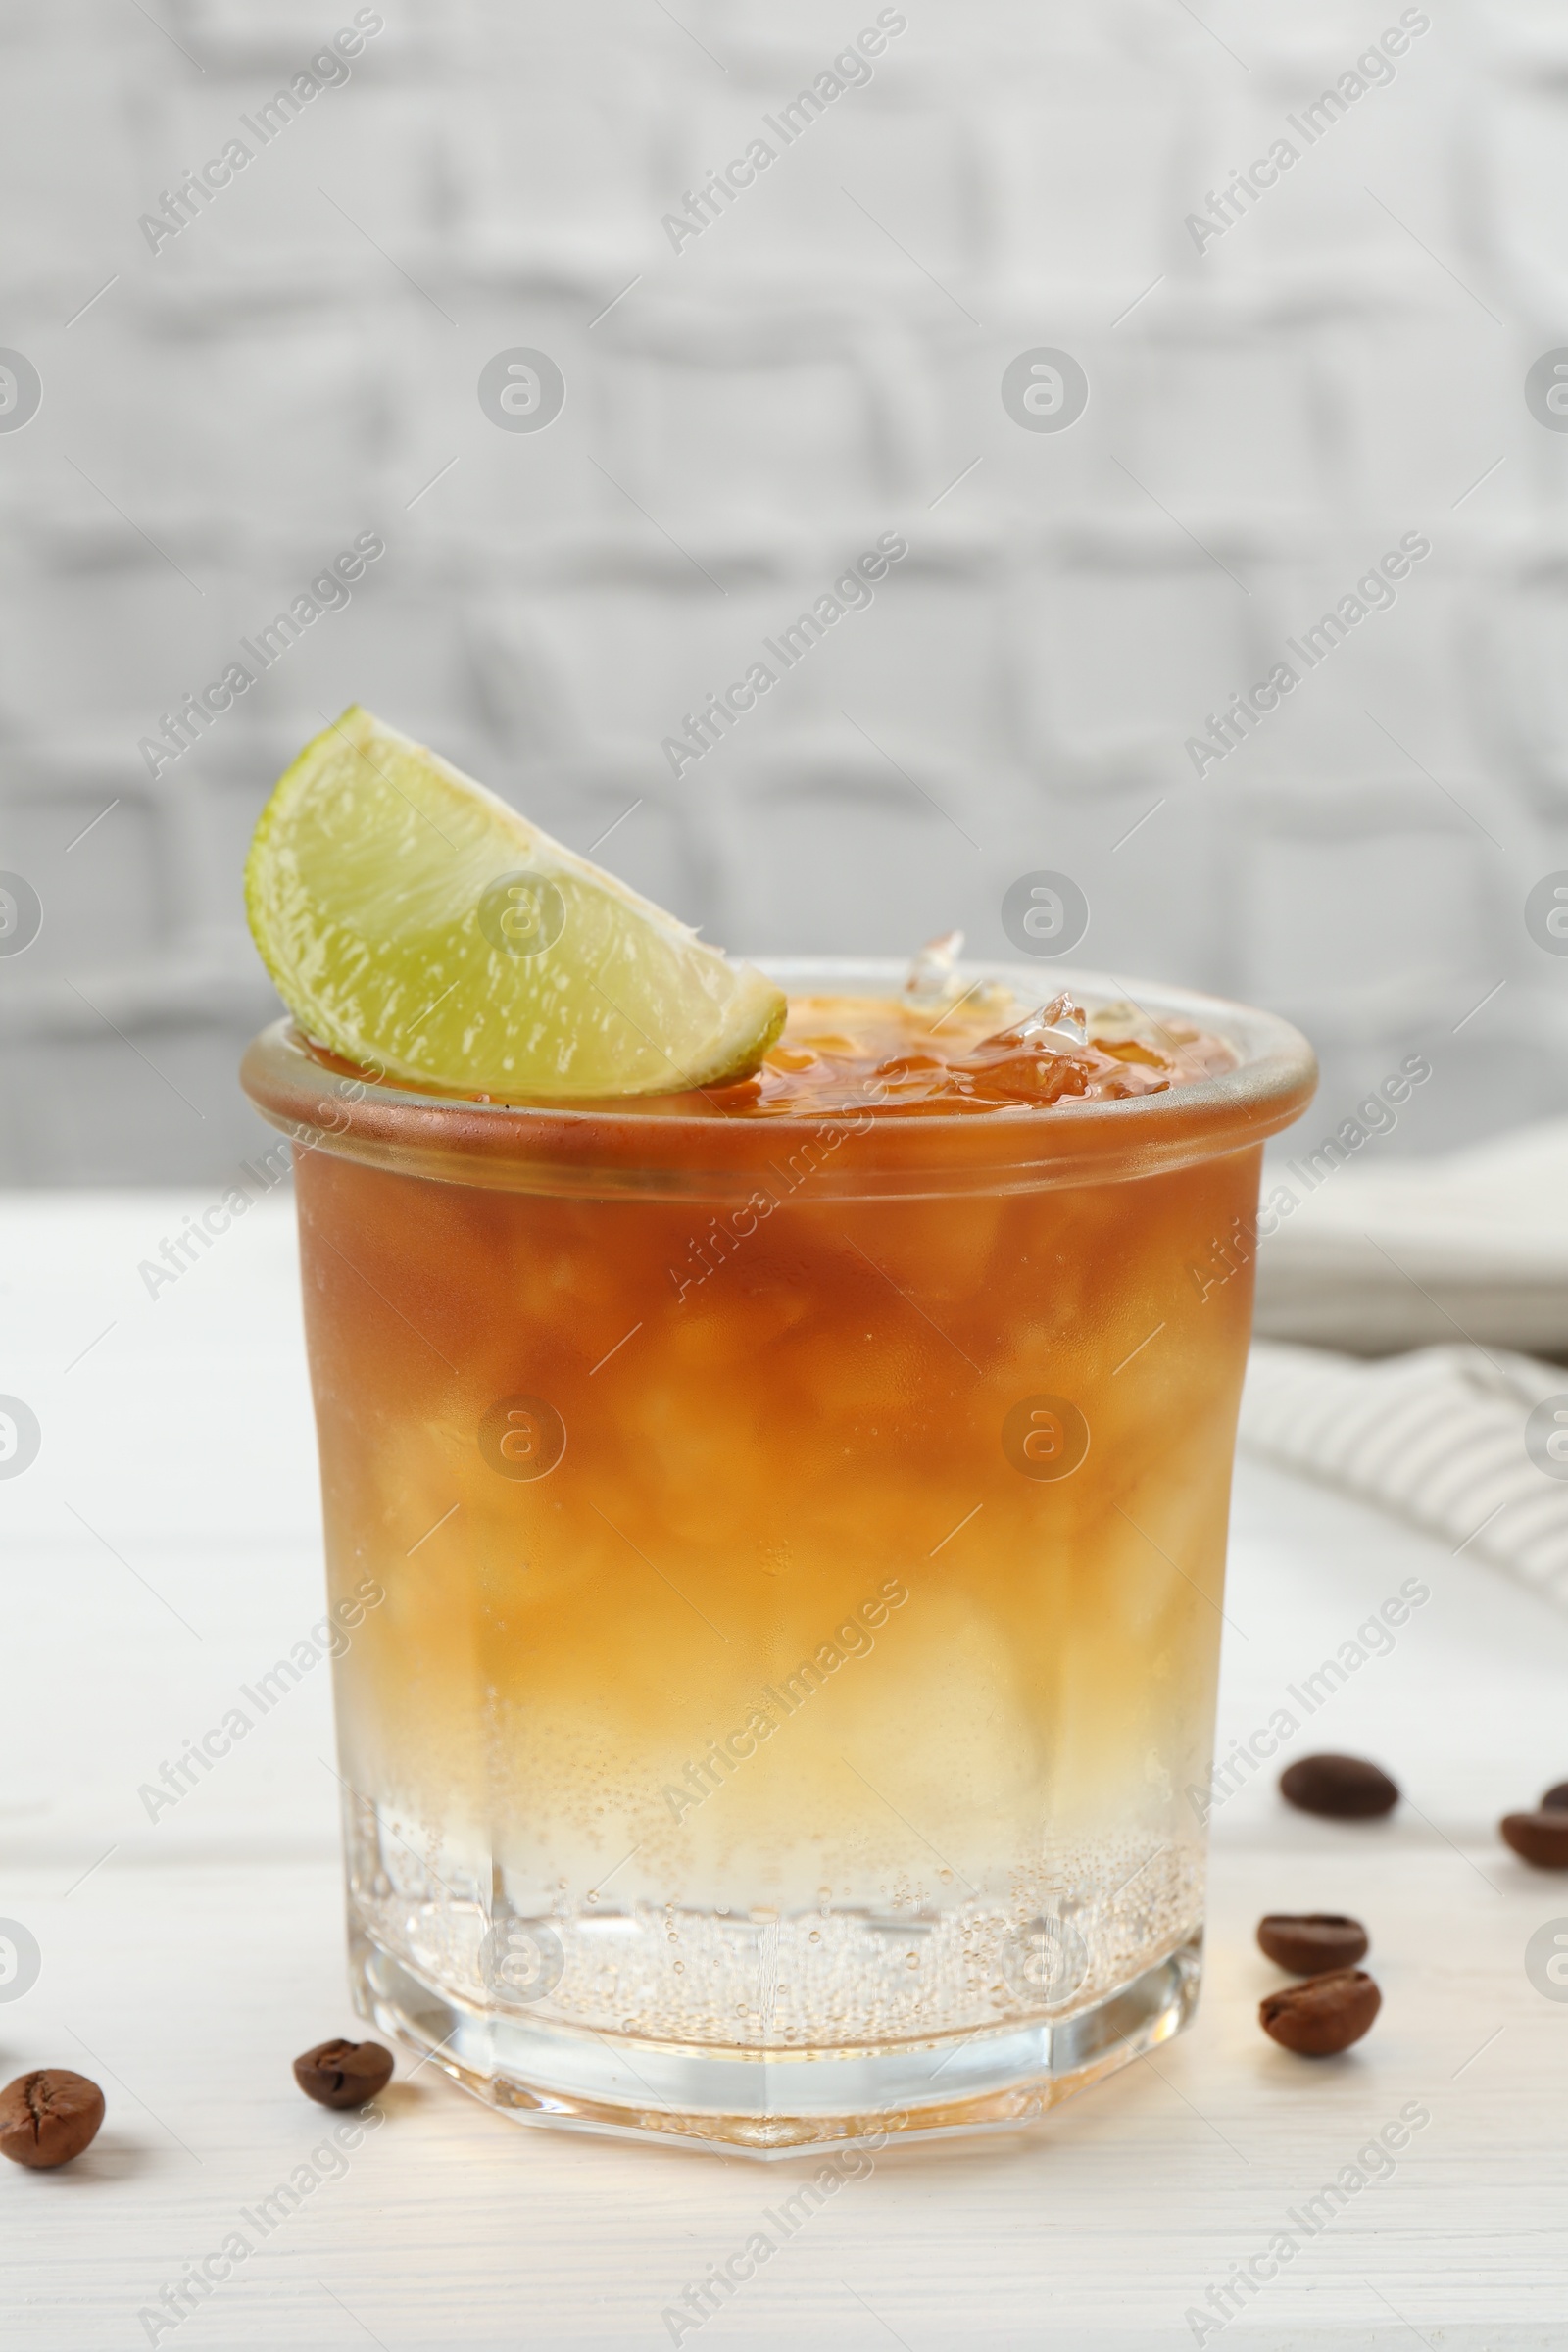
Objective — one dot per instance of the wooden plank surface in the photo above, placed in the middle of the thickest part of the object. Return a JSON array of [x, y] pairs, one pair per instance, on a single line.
[[165, 1544]]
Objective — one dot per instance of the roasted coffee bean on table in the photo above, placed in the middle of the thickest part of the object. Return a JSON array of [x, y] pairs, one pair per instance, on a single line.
[[1324, 2014], [343, 2074], [1345, 1787], [1539, 1838], [48, 2116], [1555, 1800], [1312, 1943]]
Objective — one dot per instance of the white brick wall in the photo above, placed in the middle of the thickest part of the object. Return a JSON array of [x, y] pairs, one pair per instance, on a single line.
[[1340, 367]]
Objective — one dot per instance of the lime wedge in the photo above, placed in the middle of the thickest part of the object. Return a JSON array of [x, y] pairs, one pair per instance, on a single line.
[[414, 922]]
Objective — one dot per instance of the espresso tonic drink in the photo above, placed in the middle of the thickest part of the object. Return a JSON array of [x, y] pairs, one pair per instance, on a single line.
[[801, 1506]]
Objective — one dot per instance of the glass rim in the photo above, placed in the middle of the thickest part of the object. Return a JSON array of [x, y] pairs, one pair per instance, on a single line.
[[632, 1147]]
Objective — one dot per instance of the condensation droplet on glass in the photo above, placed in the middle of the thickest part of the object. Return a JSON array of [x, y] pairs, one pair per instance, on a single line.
[[932, 978]]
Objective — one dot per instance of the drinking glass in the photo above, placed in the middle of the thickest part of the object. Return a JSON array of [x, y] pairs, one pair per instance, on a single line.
[[802, 1545]]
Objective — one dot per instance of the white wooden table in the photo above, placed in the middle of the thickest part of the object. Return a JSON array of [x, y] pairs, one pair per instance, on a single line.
[[164, 1546]]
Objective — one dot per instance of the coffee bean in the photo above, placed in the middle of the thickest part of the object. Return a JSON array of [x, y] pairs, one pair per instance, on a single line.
[[343, 2074], [1312, 1943], [1346, 1787], [48, 2116], [1555, 1800], [1323, 2016], [1539, 1838]]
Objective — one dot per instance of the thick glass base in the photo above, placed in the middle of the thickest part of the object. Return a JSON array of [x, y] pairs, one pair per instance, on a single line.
[[781, 2102]]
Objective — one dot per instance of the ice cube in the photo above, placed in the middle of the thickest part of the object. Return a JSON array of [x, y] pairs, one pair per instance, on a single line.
[[1058, 1023], [932, 978]]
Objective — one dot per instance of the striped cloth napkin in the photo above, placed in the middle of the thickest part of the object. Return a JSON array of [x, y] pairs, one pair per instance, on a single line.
[[1437, 1436]]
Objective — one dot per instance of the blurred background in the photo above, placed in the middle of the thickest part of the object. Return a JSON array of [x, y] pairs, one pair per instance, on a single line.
[[1251, 392]]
